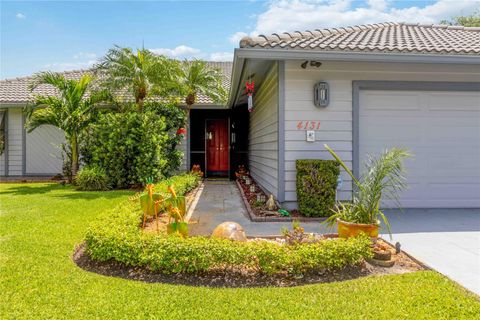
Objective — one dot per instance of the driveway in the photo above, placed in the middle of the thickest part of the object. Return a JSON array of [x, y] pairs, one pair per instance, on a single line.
[[447, 240]]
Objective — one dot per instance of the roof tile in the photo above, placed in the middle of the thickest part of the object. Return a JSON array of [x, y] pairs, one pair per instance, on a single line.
[[16, 90], [380, 37]]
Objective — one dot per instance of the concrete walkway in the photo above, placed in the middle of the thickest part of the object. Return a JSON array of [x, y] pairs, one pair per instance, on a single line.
[[221, 201], [448, 240]]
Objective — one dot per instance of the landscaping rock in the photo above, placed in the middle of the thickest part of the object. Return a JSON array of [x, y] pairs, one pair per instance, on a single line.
[[230, 230]]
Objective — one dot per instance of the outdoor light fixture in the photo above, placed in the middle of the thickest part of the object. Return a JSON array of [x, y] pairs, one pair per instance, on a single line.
[[252, 188], [321, 94], [316, 64]]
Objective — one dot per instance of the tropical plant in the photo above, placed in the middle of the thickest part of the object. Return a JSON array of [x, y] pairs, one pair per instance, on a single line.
[[72, 110], [92, 178], [196, 77], [383, 178], [472, 20], [141, 73]]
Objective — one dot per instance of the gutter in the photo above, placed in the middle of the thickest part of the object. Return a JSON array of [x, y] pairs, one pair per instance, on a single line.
[[237, 71], [293, 54]]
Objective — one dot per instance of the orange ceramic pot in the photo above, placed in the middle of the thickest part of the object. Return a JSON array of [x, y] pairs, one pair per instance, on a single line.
[[349, 229]]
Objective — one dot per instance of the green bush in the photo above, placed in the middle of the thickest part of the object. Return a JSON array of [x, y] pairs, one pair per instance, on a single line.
[[316, 186], [117, 236], [92, 178], [133, 146]]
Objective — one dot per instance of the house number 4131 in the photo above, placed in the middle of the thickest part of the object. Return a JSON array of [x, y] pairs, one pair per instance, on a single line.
[[308, 125]]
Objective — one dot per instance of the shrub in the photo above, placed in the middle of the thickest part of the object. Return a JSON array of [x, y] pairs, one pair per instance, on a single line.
[[91, 178], [316, 186], [133, 146], [117, 236]]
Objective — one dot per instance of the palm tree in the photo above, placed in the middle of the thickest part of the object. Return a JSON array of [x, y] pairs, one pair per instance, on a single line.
[[142, 73], [198, 78], [72, 110]]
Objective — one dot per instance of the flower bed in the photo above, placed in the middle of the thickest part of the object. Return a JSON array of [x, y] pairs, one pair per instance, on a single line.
[[117, 238], [258, 211]]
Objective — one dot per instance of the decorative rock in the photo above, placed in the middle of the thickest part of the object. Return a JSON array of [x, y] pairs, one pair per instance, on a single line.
[[230, 230], [271, 205], [384, 255], [381, 263]]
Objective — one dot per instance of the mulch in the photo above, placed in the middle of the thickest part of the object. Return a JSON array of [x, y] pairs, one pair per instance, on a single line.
[[239, 278]]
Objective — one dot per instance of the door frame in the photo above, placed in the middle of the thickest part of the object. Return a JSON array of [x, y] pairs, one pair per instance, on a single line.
[[205, 142]]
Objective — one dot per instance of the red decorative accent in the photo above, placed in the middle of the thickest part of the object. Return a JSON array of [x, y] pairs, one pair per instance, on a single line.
[[182, 131], [249, 87]]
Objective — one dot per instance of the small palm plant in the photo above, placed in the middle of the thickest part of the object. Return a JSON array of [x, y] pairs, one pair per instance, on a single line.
[[196, 77], [72, 110], [383, 178], [140, 73]]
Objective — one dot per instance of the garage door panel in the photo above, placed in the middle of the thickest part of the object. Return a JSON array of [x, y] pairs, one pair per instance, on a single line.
[[391, 101], [453, 101], [442, 131]]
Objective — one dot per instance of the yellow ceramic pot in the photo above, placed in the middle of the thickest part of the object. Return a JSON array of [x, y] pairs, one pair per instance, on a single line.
[[349, 229]]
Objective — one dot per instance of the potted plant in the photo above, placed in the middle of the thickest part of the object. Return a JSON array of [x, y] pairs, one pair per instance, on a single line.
[[384, 177], [177, 210]]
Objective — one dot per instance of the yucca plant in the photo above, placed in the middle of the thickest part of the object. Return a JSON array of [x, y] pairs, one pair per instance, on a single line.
[[383, 178]]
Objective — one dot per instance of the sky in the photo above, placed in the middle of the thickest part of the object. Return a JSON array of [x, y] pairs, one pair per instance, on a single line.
[[68, 35]]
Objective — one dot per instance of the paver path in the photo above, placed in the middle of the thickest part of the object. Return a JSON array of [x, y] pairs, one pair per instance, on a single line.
[[221, 201]]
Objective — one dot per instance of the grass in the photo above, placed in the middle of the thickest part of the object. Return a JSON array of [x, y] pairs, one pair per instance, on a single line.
[[41, 223]]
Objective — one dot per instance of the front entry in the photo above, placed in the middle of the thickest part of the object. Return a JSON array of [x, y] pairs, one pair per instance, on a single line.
[[217, 146]]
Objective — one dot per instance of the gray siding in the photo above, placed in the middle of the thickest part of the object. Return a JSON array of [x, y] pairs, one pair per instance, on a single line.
[[15, 142], [43, 151], [183, 147], [263, 134], [336, 120]]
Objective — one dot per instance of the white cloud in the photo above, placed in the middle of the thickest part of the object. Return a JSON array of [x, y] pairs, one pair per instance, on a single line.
[[236, 37], [221, 56], [292, 15], [182, 51], [20, 15], [85, 55]]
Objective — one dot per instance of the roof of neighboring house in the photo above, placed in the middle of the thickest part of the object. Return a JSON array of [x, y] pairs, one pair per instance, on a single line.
[[16, 90], [382, 37]]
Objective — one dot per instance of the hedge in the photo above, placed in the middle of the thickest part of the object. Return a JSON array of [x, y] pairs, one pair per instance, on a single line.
[[316, 186], [117, 236]]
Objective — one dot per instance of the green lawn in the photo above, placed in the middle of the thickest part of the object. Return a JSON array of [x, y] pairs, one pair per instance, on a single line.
[[41, 223]]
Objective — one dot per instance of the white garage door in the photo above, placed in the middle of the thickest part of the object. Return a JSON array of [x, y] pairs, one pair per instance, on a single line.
[[441, 129]]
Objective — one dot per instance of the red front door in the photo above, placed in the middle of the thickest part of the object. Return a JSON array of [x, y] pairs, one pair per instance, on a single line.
[[217, 147]]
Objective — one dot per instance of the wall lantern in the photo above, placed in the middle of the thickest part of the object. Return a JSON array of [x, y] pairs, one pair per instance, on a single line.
[[321, 94]]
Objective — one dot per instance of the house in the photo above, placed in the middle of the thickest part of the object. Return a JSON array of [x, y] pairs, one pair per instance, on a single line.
[[358, 89]]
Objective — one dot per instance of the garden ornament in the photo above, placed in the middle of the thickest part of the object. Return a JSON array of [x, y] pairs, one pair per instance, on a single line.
[[284, 213], [249, 88], [271, 205], [229, 230], [149, 202], [176, 210]]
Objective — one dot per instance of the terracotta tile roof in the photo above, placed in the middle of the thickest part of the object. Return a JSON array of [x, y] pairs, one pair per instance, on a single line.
[[16, 90], [382, 37]]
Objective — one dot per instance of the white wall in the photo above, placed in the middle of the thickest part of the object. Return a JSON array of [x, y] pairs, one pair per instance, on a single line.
[[43, 151], [263, 134], [336, 120]]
